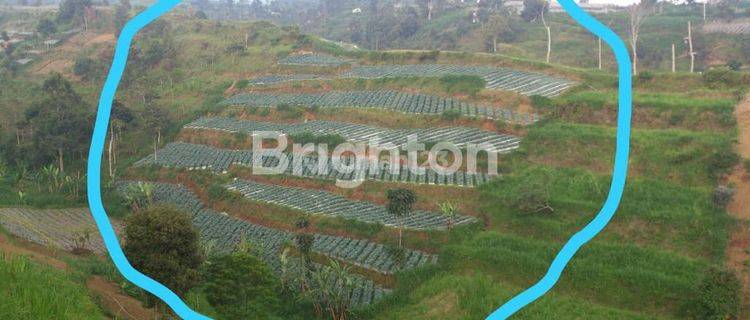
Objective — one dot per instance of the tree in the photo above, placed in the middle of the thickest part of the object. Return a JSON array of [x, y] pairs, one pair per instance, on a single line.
[[154, 119], [73, 11], [727, 9], [334, 286], [122, 15], [535, 9], [532, 195], [500, 28], [638, 14], [240, 286], [400, 203], [84, 67], [449, 211], [304, 241], [162, 243], [718, 295], [61, 121], [121, 116], [409, 24], [46, 27], [201, 15]]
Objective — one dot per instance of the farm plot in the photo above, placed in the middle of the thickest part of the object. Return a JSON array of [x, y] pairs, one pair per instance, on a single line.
[[404, 102], [56, 228], [526, 83], [326, 203], [200, 157], [274, 79], [313, 59], [461, 137], [738, 27], [225, 232]]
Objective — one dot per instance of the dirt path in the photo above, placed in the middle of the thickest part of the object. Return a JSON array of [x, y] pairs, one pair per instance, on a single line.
[[117, 303], [738, 251]]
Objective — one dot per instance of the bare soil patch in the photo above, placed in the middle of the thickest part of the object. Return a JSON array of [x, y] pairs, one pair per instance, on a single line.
[[738, 251]]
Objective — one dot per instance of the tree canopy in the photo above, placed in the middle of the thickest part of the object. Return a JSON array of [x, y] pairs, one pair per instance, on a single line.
[[161, 242]]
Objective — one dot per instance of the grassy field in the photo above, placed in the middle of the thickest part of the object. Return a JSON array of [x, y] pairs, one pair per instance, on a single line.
[[34, 291]]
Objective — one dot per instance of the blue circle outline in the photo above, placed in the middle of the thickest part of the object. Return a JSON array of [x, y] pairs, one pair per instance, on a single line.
[[96, 150]]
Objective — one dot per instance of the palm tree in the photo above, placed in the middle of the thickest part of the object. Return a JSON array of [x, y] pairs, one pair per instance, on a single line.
[[400, 203], [450, 211]]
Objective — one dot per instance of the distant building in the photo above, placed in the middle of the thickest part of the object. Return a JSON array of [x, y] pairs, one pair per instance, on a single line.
[[24, 61]]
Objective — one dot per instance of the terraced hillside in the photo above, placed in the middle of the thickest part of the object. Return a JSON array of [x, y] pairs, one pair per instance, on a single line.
[[313, 59], [326, 203], [461, 137], [224, 233], [200, 157], [408, 103], [56, 228]]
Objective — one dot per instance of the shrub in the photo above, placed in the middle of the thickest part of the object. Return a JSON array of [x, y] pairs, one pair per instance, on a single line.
[[645, 76], [331, 140], [540, 102], [721, 162], [241, 84], [724, 77], [734, 65], [718, 295], [240, 286], [451, 114], [722, 196], [470, 85], [216, 192]]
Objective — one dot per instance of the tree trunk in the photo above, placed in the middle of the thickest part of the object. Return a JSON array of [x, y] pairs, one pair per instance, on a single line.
[[109, 151], [400, 230], [704, 11], [549, 37], [674, 67], [600, 53], [634, 45], [60, 159], [494, 44], [429, 9], [690, 47]]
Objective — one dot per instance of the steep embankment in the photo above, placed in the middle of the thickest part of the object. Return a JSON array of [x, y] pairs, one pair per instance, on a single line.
[[738, 251]]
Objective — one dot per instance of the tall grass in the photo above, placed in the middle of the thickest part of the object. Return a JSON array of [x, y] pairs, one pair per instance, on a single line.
[[32, 291]]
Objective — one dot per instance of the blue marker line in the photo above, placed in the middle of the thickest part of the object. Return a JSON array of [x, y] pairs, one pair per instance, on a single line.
[[619, 173], [95, 159]]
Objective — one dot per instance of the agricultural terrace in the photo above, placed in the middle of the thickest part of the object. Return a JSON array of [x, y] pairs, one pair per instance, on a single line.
[[408, 103], [312, 59], [200, 157], [525, 83], [458, 136], [66, 229]]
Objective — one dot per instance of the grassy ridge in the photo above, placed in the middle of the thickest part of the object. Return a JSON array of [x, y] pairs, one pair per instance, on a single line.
[[685, 157]]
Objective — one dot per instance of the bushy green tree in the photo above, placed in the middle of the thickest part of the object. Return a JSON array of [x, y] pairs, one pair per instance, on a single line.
[[240, 286], [162, 243], [400, 204], [61, 122], [73, 11], [46, 27]]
